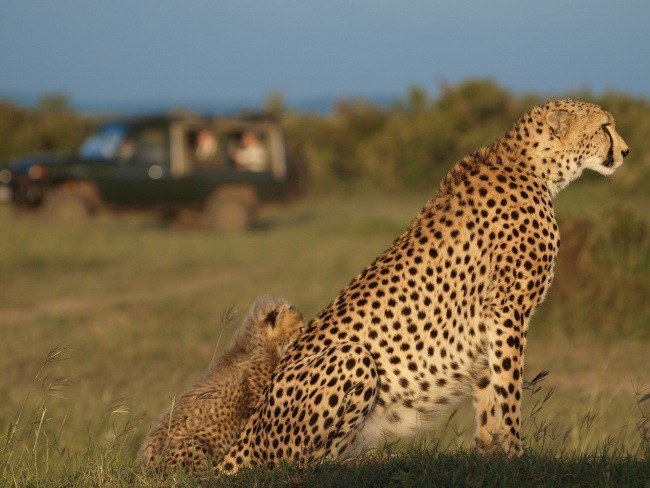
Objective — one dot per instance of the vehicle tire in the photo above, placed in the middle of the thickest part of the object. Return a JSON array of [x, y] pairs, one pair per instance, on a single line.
[[64, 206], [229, 212]]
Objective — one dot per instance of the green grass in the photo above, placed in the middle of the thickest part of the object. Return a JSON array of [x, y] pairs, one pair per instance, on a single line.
[[129, 309], [420, 465]]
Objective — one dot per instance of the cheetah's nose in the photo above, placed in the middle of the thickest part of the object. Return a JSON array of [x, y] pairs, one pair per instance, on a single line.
[[625, 153]]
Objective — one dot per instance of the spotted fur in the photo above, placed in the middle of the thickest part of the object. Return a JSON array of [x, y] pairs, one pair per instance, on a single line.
[[443, 313], [206, 420]]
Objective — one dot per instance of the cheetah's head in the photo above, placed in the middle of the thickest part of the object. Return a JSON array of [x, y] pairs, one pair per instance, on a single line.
[[282, 325], [582, 135], [271, 323]]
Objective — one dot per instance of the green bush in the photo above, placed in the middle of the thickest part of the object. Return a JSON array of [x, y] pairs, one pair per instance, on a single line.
[[53, 126], [414, 142]]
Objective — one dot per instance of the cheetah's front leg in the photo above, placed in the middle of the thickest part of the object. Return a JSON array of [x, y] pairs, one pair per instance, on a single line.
[[497, 392]]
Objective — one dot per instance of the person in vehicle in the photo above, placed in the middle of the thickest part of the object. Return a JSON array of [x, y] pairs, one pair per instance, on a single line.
[[250, 156], [206, 147]]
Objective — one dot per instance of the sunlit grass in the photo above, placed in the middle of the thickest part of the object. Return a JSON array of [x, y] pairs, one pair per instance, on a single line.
[[128, 309]]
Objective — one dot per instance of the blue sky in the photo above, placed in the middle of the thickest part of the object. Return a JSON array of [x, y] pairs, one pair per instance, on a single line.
[[137, 51]]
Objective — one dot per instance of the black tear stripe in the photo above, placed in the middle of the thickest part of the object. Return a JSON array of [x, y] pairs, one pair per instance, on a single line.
[[610, 154]]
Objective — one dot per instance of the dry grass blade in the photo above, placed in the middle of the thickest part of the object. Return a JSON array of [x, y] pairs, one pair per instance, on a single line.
[[539, 404], [121, 433], [642, 427], [227, 320], [14, 426], [55, 386], [118, 406], [588, 421], [532, 384], [55, 355], [453, 414]]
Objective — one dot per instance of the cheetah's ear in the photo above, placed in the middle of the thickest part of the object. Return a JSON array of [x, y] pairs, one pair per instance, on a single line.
[[559, 121], [272, 317]]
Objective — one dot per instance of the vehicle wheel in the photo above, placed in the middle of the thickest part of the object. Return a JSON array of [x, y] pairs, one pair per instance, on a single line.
[[62, 206], [229, 213]]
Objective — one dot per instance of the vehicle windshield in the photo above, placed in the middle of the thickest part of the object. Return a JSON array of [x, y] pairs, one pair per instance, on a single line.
[[105, 143]]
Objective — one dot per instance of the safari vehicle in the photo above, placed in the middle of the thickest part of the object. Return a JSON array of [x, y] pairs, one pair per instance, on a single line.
[[166, 163]]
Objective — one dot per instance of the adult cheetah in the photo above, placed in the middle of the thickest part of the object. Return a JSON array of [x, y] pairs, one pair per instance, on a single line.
[[443, 313], [206, 420]]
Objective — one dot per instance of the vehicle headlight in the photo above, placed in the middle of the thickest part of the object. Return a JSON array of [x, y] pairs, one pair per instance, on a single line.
[[5, 176], [36, 172]]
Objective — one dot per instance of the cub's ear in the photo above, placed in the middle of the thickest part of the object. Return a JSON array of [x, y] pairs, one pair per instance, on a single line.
[[272, 317], [559, 121]]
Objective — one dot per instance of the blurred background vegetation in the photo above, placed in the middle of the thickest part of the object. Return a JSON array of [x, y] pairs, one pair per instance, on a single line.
[[408, 144], [411, 143]]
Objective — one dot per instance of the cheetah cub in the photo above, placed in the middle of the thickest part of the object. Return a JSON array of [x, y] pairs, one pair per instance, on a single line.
[[205, 421]]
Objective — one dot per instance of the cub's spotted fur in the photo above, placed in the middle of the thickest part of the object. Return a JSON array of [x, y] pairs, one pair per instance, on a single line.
[[443, 313], [206, 420]]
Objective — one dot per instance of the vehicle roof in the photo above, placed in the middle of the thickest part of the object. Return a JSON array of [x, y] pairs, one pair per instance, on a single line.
[[155, 118], [189, 116]]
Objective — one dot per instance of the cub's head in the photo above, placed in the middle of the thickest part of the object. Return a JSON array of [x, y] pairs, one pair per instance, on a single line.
[[273, 323], [581, 135]]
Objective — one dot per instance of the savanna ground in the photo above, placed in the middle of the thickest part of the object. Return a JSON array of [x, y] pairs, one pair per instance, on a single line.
[[103, 323]]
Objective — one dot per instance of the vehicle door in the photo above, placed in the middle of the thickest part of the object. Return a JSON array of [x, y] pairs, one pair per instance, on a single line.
[[238, 137], [139, 174], [195, 162]]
